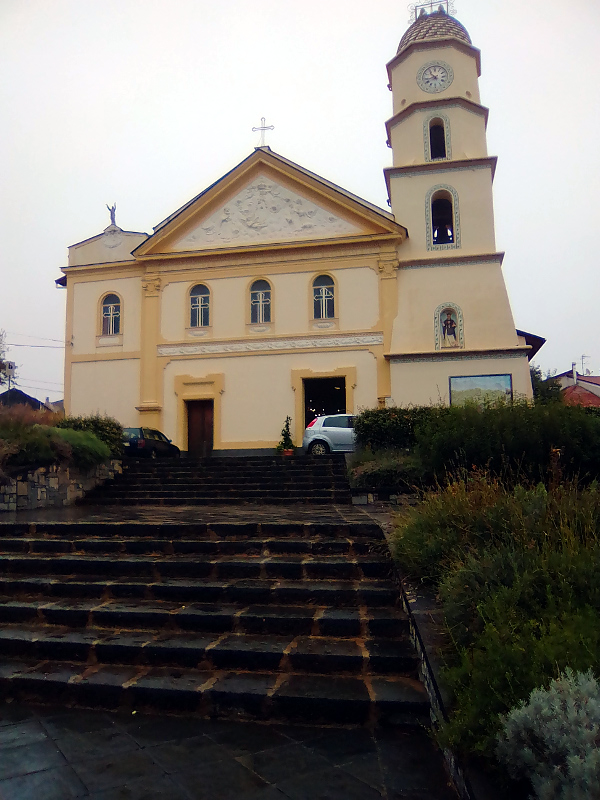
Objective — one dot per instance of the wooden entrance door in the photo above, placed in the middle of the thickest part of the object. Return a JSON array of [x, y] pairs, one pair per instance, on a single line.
[[200, 414]]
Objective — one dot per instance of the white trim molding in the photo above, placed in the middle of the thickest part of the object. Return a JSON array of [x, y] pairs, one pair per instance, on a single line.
[[270, 345]]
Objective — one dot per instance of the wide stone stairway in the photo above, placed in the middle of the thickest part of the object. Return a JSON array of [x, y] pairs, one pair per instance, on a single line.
[[260, 479], [266, 612]]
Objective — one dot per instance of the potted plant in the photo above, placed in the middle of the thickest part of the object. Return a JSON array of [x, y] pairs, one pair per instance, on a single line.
[[286, 445]]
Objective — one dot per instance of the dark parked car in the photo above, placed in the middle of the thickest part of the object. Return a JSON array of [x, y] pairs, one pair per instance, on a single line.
[[148, 443]]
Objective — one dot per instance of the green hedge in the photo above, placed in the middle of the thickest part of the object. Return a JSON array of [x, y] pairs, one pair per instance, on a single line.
[[41, 445], [516, 441], [107, 429], [86, 448], [392, 428], [520, 440]]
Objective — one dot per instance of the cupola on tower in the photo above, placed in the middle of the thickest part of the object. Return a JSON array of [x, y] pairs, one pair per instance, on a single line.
[[453, 320]]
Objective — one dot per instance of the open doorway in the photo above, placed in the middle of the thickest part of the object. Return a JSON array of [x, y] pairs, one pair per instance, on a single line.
[[200, 415], [323, 396]]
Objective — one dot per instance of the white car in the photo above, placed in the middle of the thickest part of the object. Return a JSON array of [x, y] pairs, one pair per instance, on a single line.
[[331, 434]]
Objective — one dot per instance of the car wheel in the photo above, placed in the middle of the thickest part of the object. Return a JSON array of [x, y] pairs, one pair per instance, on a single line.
[[318, 449]]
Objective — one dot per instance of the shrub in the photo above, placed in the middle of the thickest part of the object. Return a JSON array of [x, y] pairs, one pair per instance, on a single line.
[[553, 739], [24, 416], [107, 429], [86, 448], [396, 471], [34, 446], [517, 441], [391, 428], [517, 571]]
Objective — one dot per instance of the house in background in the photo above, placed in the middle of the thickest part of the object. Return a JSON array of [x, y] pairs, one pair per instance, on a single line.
[[579, 390], [15, 397], [275, 292]]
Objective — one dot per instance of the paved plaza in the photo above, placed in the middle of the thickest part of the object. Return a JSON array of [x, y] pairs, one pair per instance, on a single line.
[[51, 753]]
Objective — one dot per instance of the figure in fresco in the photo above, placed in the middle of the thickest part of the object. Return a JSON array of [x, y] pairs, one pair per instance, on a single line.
[[448, 326]]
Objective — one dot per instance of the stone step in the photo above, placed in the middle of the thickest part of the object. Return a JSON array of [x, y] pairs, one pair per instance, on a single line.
[[118, 545], [211, 651], [332, 593], [165, 490], [262, 499], [313, 531], [224, 568], [330, 699], [364, 621]]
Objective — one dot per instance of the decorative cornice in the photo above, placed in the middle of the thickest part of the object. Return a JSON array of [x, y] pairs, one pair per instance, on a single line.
[[435, 44], [453, 355], [443, 166], [434, 103], [452, 261], [271, 344]]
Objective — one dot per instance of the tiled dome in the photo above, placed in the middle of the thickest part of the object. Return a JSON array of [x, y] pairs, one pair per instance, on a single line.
[[437, 25]]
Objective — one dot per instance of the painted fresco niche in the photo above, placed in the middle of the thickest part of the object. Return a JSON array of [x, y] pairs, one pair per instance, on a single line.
[[449, 331]]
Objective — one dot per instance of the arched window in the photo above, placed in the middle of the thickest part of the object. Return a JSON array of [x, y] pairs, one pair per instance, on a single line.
[[199, 306], [437, 139], [260, 302], [442, 218], [111, 315], [323, 297]]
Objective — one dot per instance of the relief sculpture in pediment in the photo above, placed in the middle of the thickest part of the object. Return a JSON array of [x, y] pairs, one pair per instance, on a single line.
[[267, 212]]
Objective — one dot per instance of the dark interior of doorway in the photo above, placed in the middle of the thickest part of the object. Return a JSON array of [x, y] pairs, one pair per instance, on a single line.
[[323, 396]]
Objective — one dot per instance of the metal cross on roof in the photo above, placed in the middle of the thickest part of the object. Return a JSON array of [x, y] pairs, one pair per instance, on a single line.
[[429, 7], [262, 128]]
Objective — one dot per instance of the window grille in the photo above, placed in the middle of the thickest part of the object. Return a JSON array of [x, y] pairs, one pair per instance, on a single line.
[[111, 315], [199, 307], [323, 297], [260, 302]]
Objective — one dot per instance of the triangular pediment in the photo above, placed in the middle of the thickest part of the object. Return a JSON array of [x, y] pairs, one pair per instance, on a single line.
[[263, 202], [264, 212]]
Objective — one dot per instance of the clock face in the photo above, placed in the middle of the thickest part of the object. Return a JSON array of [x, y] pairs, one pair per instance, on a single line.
[[435, 76]]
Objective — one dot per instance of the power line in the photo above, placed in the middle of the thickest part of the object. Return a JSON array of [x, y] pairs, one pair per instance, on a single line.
[[49, 383], [48, 346], [29, 336], [18, 384]]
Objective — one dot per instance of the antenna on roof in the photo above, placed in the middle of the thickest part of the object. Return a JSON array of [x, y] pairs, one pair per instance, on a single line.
[[583, 360], [423, 9]]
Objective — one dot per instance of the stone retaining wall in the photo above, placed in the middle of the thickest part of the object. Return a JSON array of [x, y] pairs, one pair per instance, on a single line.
[[52, 486]]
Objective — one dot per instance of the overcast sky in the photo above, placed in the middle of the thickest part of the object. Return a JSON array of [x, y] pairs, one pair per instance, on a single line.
[[146, 102]]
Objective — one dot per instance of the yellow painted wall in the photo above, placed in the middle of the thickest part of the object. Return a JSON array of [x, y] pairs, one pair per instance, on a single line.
[[107, 387], [479, 291], [427, 383], [474, 188], [110, 246], [467, 135], [404, 77], [257, 393], [87, 315], [356, 302]]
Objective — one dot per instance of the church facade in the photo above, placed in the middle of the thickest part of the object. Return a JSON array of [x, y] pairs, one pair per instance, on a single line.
[[276, 293]]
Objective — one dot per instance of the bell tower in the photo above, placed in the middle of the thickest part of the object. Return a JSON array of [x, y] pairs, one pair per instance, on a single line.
[[454, 318]]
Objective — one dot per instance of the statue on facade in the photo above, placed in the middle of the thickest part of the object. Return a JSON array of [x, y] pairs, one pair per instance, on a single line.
[[113, 210]]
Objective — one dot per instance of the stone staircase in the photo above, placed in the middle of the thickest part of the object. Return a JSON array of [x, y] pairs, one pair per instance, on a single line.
[[285, 619], [260, 479]]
